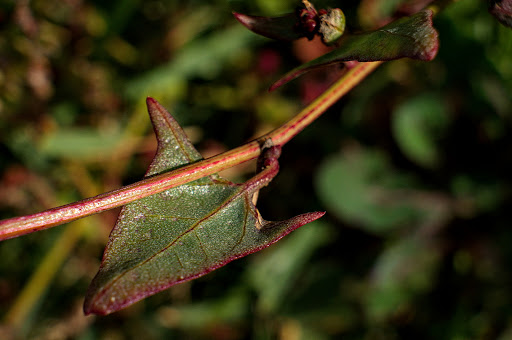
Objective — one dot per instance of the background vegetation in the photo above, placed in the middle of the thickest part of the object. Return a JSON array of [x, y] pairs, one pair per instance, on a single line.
[[413, 168]]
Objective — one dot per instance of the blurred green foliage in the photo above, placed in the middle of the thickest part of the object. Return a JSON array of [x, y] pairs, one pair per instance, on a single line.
[[413, 168]]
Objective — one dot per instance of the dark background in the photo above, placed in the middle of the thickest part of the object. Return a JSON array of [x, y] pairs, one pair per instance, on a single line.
[[413, 168]]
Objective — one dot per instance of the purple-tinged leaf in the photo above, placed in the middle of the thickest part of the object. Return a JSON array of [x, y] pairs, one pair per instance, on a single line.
[[279, 28], [305, 22], [413, 37], [502, 10], [184, 232]]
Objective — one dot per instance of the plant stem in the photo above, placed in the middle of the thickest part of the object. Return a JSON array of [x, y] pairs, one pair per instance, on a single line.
[[18, 226], [286, 132]]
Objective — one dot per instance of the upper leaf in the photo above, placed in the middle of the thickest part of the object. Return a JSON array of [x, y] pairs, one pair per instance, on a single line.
[[279, 28], [184, 232], [307, 22], [413, 37]]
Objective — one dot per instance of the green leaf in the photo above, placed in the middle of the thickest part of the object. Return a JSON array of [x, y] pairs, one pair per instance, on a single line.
[[362, 188], [79, 143], [169, 78], [184, 232], [417, 126], [405, 270], [412, 37]]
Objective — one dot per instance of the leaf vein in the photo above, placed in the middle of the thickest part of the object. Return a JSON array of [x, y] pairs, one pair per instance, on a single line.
[[244, 228], [191, 228], [201, 246]]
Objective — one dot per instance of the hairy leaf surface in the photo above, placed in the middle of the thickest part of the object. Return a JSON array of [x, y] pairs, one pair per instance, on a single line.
[[184, 232], [412, 37]]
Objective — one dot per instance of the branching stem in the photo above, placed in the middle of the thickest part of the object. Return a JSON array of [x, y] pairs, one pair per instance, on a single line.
[[18, 226]]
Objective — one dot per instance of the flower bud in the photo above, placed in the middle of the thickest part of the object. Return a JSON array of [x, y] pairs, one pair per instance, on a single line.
[[332, 25]]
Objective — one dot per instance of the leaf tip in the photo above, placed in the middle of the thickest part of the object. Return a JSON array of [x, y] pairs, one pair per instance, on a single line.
[[89, 311], [296, 222], [152, 103], [287, 78], [274, 86], [312, 216], [257, 24], [280, 28], [155, 110], [106, 298], [242, 18], [90, 307]]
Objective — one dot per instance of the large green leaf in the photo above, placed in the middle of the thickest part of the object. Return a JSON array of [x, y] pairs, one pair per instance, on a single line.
[[412, 37], [184, 232]]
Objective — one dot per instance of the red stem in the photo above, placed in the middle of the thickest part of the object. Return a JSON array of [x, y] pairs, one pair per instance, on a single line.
[[18, 226]]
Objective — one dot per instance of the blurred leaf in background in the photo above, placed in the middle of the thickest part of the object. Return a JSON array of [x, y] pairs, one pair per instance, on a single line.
[[373, 194], [417, 126]]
